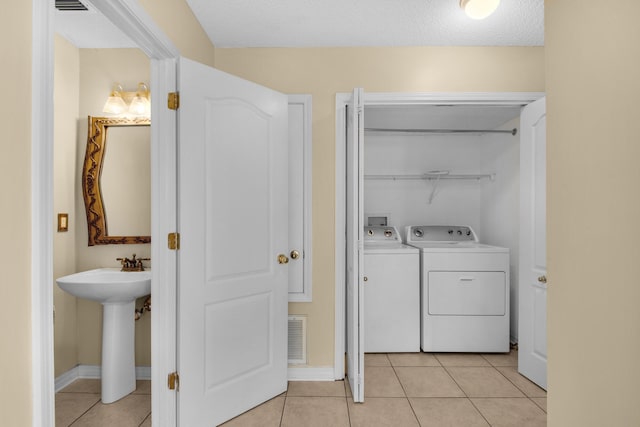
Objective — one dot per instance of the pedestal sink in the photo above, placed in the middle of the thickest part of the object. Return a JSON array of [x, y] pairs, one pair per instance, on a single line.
[[117, 292]]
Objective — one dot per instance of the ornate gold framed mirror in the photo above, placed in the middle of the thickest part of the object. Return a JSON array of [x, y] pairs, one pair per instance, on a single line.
[[116, 181]]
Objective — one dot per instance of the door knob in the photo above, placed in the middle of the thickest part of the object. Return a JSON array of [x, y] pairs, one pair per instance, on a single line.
[[294, 254], [365, 278], [282, 259], [542, 279]]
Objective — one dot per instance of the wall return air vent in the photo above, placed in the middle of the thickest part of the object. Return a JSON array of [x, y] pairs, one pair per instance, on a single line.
[[297, 340], [70, 5]]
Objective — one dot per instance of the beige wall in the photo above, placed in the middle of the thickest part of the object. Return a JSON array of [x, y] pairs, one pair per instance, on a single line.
[[593, 182], [177, 21], [323, 73], [99, 70], [15, 227], [66, 176], [15, 171], [83, 79]]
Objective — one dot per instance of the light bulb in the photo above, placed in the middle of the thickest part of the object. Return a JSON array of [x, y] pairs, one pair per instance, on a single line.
[[115, 104], [140, 105], [479, 9]]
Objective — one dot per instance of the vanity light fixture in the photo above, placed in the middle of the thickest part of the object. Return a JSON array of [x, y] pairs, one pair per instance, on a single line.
[[139, 105], [479, 9], [115, 104]]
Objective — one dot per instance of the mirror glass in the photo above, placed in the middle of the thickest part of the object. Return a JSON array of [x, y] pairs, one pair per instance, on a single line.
[[116, 181]]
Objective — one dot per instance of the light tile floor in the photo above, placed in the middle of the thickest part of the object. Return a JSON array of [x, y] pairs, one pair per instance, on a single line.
[[79, 405], [412, 389]]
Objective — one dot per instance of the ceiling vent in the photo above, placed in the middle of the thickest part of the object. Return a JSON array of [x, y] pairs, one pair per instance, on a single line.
[[70, 5]]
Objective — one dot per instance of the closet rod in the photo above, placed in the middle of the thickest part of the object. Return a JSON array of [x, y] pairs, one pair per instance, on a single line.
[[430, 176], [512, 131]]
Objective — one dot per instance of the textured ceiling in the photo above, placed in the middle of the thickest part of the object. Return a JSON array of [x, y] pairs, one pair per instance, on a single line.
[[324, 23]]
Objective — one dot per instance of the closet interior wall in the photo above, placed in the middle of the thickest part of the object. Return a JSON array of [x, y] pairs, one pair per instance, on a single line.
[[489, 206]]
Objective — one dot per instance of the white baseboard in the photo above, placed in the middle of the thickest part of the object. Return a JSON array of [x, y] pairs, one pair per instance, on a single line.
[[144, 373], [94, 372], [324, 373]]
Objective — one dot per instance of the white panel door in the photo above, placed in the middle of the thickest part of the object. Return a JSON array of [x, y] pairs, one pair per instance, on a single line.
[[532, 330], [232, 291], [355, 255]]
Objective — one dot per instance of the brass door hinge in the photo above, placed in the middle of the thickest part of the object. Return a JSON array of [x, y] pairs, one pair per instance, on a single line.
[[173, 101], [173, 381], [174, 241]]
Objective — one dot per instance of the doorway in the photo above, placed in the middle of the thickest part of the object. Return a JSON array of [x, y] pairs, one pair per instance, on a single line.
[[133, 21], [373, 102]]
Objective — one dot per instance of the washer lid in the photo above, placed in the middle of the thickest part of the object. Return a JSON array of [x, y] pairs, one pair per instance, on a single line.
[[388, 248], [457, 247]]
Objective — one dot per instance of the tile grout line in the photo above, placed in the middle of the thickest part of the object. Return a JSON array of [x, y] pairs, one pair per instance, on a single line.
[[286, 395], [85, 412], [516, 386], [145, 419], [405, 391], [465, 393]]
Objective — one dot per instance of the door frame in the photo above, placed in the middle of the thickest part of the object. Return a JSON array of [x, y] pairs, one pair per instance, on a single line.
[[389, 99], [134, 21]]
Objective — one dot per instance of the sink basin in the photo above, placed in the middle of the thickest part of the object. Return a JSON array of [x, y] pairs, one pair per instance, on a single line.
[[107, 285], [117, 292]]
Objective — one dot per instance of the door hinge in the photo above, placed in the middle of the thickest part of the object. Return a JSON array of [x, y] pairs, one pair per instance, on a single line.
[[173, 381], [173, 100], [174, 241]]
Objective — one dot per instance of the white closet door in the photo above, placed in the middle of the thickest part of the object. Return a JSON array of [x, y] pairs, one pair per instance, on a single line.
[[232, 209], [532, 330], [355, 256]]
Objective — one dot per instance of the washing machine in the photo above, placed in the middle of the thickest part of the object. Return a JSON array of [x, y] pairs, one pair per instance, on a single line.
[[464, 290], [391, 292]]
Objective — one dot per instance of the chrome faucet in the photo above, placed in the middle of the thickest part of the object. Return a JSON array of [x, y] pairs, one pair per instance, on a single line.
[[133, 264]]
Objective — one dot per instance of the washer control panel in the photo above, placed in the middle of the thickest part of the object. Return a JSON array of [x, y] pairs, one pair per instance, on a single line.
[[440, 233], [383, 233]]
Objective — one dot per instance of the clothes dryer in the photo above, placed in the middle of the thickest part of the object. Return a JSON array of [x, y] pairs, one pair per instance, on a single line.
[[391, 292], [465, 290]]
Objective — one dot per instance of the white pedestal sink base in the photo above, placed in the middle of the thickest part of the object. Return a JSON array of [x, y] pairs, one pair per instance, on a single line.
[[118, 351], [117, 292]]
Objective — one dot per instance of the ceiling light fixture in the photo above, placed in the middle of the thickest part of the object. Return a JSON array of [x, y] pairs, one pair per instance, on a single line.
[[479, 9]]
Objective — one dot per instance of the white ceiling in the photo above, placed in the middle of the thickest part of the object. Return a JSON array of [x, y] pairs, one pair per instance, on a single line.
[[90, 29], [326, 23], [323, 23]]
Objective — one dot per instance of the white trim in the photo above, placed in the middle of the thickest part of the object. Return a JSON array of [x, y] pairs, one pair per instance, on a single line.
[[93, 371], [311, 374], [163, 221], [340, 219], [42, 383], [306, 102], [476, 98], [67, 378], [133, 20]]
